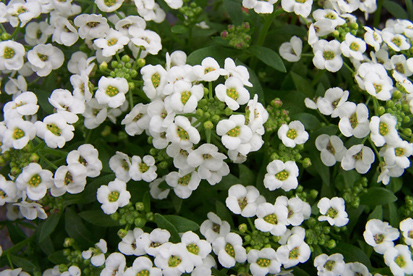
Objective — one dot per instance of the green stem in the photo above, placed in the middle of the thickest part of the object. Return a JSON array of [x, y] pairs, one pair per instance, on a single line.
[[119, 15], [251, 224], [210, 90], [377, 14], [16, 31], [376, 106], [47, 161], [131, 105], [10, 262], [349, 68], [375, 149], [88, 136]]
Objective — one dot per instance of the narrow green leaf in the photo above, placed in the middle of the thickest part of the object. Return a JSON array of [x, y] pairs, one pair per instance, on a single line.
[[58, 257], [47, 246], [377, 213], [234, 11], [246, 176], [394, 218], [49, 226], [269, 57], [15, 233], [377, 196], [177, 202], [77, 230], [182, 224], [395, 9], [179, 29], [303, 85], [147, 202], [163, 223], [25, 264], [98, 218]]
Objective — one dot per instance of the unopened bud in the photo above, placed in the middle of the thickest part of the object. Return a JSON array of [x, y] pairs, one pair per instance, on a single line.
[[276, 103], [307, 162], [125, 58], [103, 66], [215, 118], [68, 242], [331, 244], [122, 233], [243, 228], [208, 125], [139, 206], [228, 111], [141, 62]]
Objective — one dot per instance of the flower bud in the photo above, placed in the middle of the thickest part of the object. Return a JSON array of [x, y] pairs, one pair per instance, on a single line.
[[63, 268], [228, 111], [307, 162], [149, 216], [407, 131], [125, 58], [243, 228], [122, 233], [163, 165], [277, 103], [115, 216], [247, 238], [140, 222], [208, 125], [68, 242], [103, 66], [139, 206], [331, 244], [215, 118], [141, 62], [381, 110]]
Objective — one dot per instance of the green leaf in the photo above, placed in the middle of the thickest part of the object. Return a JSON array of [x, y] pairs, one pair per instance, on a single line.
[[309, 121], [395, 184], [299, 272], [223, 212], [77, 230], [303, 85], [234, 11], [25, 264], [177, 202], [58, 257], [182, 224], [98, 218], [163, 223], [377, 196], [269, 57], [217, 52], [49, 226], [147, 202], [352, 253], [16, 234], [394, 218], [377, 213], [395, 9], [246, 176], [179, 29]]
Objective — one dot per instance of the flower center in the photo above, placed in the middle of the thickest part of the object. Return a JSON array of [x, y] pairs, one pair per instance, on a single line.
[[358, 155], [183, 134], [216, 228], [230, 250], [262, 262], [330, 16], [185, 153], [138, 117], [354, 46], [142, 272], [329, 265], [2, 194], [113, 196], [410, 235], [68, 178], [301, 1], [174, 261], [184, 180], [353, 120], [399, 260], [82, 161], [112, 41], [111, 91], [242, 202], [18, 133], [143, 167], [53, 128], [378, 238], [399, 68], [185, 97], [377, 87], [292, 134], [282, 175], [8, 53], [208, 69], [110, 3], [399, 151], [42, 57], [294, 253], [92, 24], [383, 129], [156, 79], [232, 93], [193, 248], [206, 156], [235, 132], [331, 212], [35, 180], [330, 148], [328, 55], [271, 219], [397, 41]]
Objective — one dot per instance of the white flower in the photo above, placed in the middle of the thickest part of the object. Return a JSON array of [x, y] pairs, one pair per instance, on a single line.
[[183, 133], [298, 210], [18, 133], [396, 42], [330, 265], [263, 261], [31, 210], [44, 58], [406, 226], [400, 65], [281, 175], [88, 156], [113, 42], [373, 37], [120, 164], [331, 149], [292, 134], [151, 11], [114, 265], [209, 70], [214, 227], [8, 191], [354, 120], [272, 218], [240, 71], [113, 196], [34, 181], [333, 211], [353, 47], [91, 25], [112, 91], [174, 260], [229, 250], [154, 80], [15, 86], [359, 157], [259, 6], [23, 105], [94, 114], [37, 33], [64, 32], [291, 51], [108, 6], [374, 79], [96, 254], [383, 130], [142, 265], [356, 268], [327, 55], [389, 171], [398, 154], [152, 243], [128, 245], [207, 158], [149, 41], [234, 132], [184, 182], [11, 55], [380, 235], [54, 130], [233, 93], [186, 96], [71, 179], [197, 249], [67, 105], [294, 252], [330, 15], [22, 12], [130, 24], [137, 120], [143, 169], [256, 116], [399, 259], [156, 192], [302, 8], [333, 101], [244, 200]]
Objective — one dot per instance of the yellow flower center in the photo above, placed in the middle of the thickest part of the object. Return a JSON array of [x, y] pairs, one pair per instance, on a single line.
[[183, 134], [8, 53], [271, 219], [111, 91], [110, 3], [35, 180], [230, 250], [232, 93], [174, 261], [185, 97], [329, 265], [143, 167], [184, 180], [399, 151], [332, 213], [378, 238], [113, 196], [156, 79], [53, 128], [143, 273], [294, 253], [292, 134], [68, 178], [112, 41], [18, 133], [399, 260], [193, 248], [383, 129], [262, 262], [397, 41], [235, 132], [242, 202], [282, 175], [328, 55]]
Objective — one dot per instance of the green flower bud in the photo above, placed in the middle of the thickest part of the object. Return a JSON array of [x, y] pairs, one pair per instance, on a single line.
[[6, 155], [199, 112], [354, 26], [149, 216], [15, 171], [63, 268], [34, 158], [114, 64], [243, 228], [390, 103], [163, 165], [141, 62], [277, 103], [274, 156], [247, 238], [131, 85], [406, 119], [68, 242], [133, 73], [125, 58], [140, 222], [307, 162], [228, 111], [112, 74], [326, 229], [381, 110], [103, 66], [66, 252], [115, 216], [215, 118], [407, 131], [139, 206], [331, 244], [2, 161], [208, 125], [5, 36], [122, 233], [122, 221], [397, 95]]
